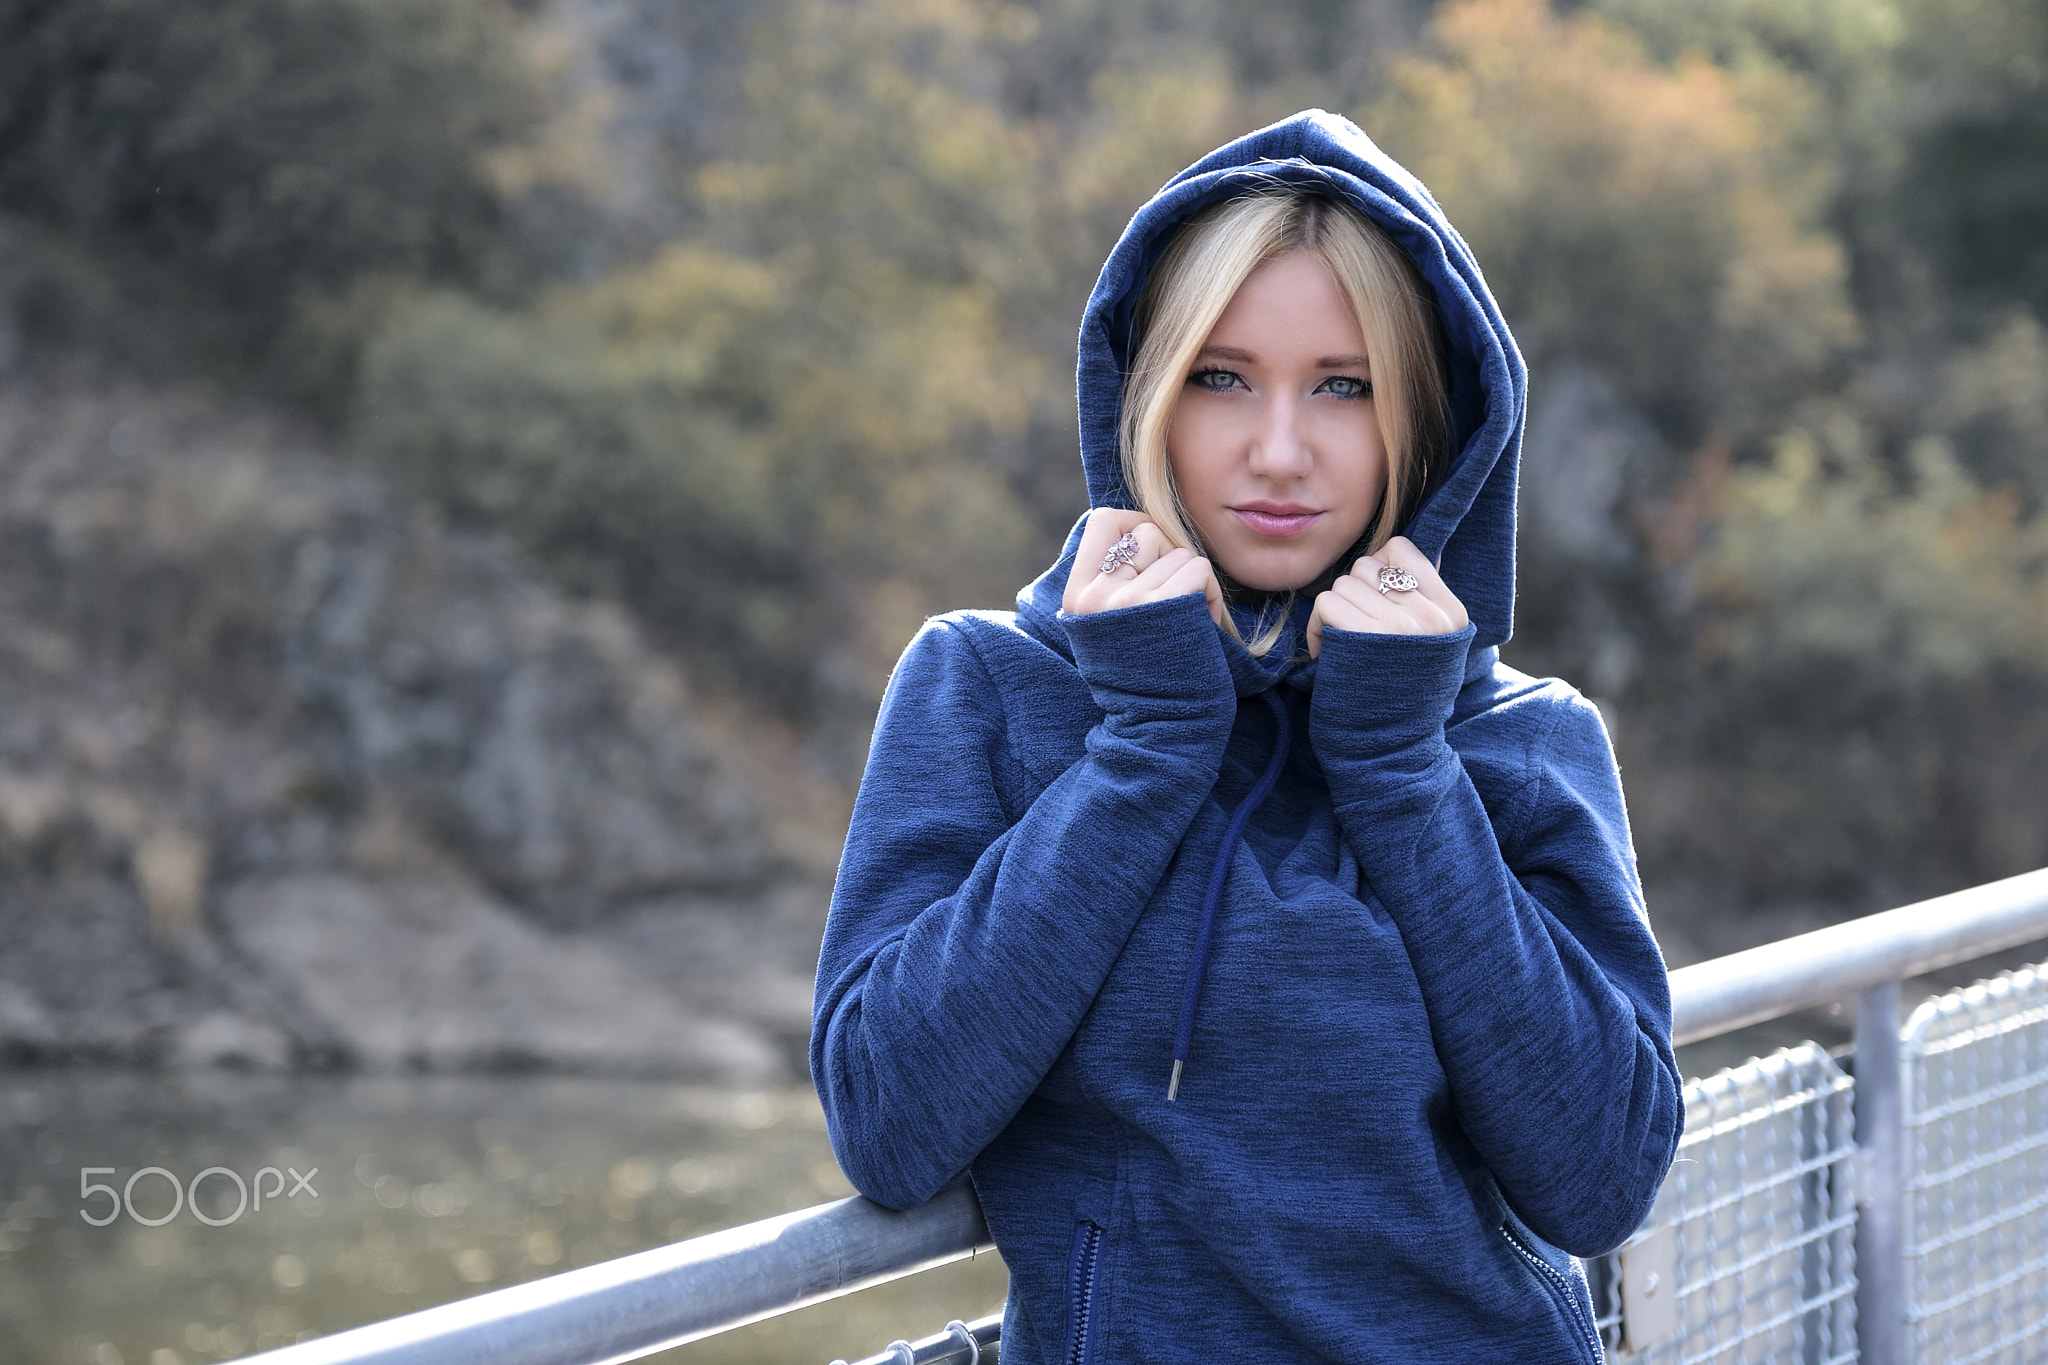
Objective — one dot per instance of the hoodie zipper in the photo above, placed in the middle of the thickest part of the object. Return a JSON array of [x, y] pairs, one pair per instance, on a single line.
[[1561, 1286], [1082, 1264]]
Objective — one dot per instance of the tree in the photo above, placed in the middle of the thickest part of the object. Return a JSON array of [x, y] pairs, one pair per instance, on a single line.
[[242, 184]]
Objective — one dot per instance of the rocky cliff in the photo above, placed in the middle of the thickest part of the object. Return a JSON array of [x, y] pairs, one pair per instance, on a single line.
[[293, 773]]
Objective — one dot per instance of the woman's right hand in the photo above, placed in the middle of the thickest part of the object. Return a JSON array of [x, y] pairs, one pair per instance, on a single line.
[[1160, 569]]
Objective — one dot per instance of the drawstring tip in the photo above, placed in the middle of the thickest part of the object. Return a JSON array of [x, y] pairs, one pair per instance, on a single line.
[[1173, 1086]]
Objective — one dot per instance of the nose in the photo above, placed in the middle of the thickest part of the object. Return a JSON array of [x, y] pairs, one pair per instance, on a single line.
[[1279, 447]]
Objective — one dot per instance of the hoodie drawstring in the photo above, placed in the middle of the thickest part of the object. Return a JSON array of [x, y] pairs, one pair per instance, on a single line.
[[1191, 995]]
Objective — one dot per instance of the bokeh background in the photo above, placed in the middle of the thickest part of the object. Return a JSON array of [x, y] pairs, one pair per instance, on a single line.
[[467, 466]]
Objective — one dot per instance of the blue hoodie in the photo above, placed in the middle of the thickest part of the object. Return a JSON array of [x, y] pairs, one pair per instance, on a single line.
[[1427, 1044]]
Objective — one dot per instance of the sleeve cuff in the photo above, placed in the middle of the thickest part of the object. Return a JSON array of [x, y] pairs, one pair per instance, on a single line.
[[1153, 656], [1377, 693]]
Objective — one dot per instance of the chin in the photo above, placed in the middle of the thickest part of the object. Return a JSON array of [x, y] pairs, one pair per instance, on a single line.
[[1271, 577]]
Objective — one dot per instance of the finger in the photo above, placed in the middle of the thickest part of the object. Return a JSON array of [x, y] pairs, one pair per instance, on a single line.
[[1427, 614], [1345, 613], [1212, 590], [1425, 617], [1365, 573], [1366, 569], [1369, 610], [1401, 613], [1145, 586], [1137, 578], [1333, 611], [1194, 576], [1105, 525], [1167, 562], [1402, 553], [1312, 636], [1152, 545], [1359, 592]]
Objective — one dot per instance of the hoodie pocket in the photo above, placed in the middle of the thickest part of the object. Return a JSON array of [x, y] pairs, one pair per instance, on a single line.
[[1560, 1288], [1084, 1263]]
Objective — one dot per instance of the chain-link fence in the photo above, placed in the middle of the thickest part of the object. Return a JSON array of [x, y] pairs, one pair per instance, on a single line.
[[1976, 1180], [1748, 1254]]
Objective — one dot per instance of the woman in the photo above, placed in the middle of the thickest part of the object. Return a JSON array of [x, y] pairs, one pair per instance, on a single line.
[[1269, 954]]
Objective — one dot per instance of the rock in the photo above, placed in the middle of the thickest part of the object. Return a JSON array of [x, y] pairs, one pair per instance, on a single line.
[[293, 771], [425, 975], [544, 744], [755, 961], [170, 872], [1583, 441], [26, 1029], [222, 1039]]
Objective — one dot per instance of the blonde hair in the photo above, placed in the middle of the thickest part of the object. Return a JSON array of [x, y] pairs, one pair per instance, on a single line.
[[1194, 281]]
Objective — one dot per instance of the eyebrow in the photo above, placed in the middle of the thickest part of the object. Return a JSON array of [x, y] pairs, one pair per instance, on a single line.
[[1328, 362]]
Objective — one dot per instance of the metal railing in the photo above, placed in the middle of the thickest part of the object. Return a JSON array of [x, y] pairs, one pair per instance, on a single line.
[[1897, 1214], [1974, 1212], [636, 1305]]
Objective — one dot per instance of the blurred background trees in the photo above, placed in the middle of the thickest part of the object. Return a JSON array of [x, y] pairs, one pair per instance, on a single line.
[[757, 318], [241, 186]]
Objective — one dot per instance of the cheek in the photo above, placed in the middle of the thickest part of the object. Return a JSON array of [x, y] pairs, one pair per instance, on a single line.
[[1191, 441], [1360, 460]]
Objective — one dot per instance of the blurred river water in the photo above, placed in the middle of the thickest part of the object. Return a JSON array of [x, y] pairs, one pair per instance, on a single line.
[[384, 1194], [403, 1192]]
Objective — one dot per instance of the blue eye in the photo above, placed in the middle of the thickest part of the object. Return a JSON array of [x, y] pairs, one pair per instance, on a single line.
[[1215, 381], [1346, 386]]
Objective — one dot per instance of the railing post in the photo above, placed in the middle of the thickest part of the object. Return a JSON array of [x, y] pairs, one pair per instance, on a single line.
[[1880, 1222]]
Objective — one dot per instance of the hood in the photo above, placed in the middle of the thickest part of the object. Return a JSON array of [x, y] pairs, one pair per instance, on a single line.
[[1468, 521]]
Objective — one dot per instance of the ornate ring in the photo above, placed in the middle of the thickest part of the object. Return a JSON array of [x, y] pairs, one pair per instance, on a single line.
[[1397, 580], [1123, 552]]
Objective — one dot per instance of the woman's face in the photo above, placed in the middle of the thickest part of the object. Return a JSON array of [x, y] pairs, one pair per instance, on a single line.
[[1275, 448]]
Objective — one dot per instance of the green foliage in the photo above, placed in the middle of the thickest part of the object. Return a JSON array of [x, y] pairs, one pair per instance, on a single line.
[[1655, 222], [1976, 124], [1826, 557], [255, 174], [633, 465], [844, 400], [1934, 114], [1871, 669], [1827, 590], [1994, 407], [841, 399], [1845, 54], [818, 383], [1976, 196], [680, 439]]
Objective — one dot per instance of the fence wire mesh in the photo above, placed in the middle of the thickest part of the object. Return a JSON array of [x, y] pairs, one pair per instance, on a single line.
[[1976, 1173], [1761, 1217]]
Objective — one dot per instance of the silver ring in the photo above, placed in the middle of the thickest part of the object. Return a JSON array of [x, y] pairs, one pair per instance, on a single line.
[[1123, 552], [1397, 580]]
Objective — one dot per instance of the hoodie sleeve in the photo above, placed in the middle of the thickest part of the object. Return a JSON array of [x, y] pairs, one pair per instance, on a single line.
[[1547, 995], [965, 943]]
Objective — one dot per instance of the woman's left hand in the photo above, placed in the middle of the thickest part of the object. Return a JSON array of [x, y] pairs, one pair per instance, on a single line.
[[1355, 602]]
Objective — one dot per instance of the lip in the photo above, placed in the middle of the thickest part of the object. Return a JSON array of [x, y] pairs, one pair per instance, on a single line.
[[1277, 520]]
